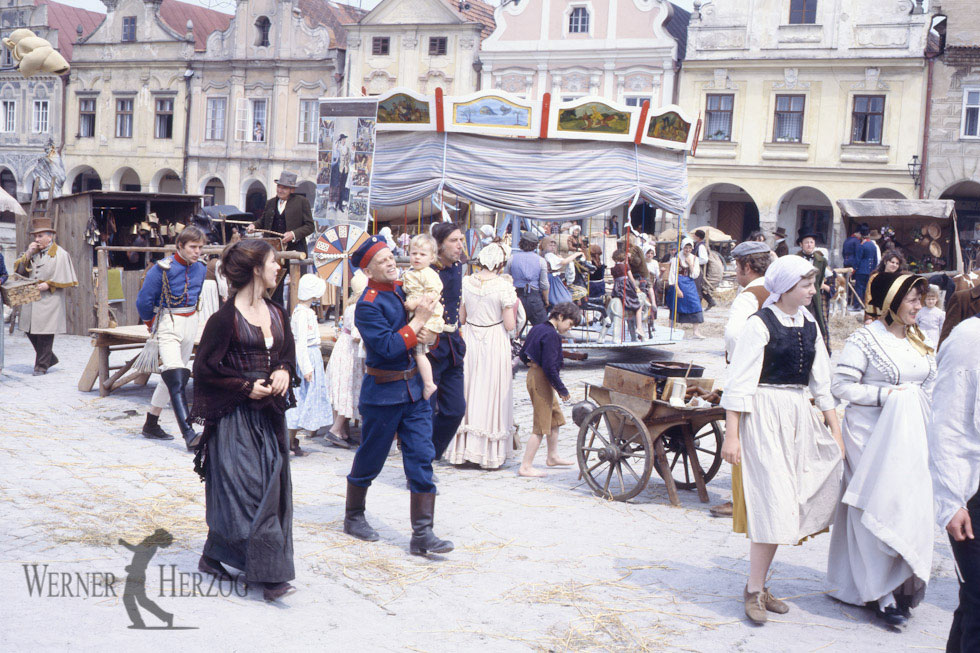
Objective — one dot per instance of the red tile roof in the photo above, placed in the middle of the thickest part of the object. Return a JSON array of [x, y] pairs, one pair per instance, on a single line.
[[332, 15], [479, 12], [176, 14], [66, 20]]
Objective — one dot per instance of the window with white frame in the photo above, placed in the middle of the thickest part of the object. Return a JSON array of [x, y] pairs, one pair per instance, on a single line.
[[578, 21], [718, 117], [788, 122], [86, 117], [251, 120], [636, 100], [129, 29], [39, 122], [164, 126], [214, 119], [8, 116], [971, 113], [307, 120], [8, 58], [124, 118]]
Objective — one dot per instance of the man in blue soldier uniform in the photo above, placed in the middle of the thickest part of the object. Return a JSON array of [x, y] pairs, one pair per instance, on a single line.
[[169, 298], [391, 400], [446, 356], [867, 260]]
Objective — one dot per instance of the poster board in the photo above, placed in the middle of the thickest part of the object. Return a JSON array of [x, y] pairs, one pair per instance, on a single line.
[[346, 134]]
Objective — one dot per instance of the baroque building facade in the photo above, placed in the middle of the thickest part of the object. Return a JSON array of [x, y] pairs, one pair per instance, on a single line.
[[127, 109], [628, 51], [417, 44], [803, 103], [256, 86], [31, 109], [951, 166]]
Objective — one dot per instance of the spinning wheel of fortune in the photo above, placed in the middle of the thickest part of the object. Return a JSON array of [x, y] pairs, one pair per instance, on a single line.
[[333, 249]]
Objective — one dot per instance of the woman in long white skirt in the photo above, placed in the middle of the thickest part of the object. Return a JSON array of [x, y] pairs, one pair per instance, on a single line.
[[790, 461], [881, 548]]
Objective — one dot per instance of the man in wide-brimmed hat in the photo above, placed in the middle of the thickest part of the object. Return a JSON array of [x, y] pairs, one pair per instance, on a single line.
[[807, 242], [44, 261], [780, 246], [288, 214]]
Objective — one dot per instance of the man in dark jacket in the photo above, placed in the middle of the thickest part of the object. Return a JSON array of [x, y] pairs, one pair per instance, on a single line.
[[849, 253], [963, 304], [867, 260], [288, 214]]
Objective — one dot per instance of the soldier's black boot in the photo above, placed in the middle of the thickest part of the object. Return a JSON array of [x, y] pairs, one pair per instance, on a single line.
[[153, 430], [176, 380], [423, 539], [354, 521]]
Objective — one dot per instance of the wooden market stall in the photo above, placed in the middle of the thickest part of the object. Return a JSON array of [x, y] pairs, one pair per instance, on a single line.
[[924, 230], [84, 221]]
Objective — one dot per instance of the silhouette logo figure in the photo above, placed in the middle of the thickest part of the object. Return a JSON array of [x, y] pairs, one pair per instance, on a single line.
[[135, 590]]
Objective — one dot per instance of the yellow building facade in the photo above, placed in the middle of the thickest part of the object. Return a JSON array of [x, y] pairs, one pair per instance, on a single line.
[[800, 111]]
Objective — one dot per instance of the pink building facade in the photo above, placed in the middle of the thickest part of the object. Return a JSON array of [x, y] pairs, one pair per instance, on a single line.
[[627, 51]]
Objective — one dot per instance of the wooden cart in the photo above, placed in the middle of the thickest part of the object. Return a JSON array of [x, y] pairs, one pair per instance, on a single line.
[[631, 432]]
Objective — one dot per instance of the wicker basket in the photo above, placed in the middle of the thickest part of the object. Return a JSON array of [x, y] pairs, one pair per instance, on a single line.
[[19, 291]]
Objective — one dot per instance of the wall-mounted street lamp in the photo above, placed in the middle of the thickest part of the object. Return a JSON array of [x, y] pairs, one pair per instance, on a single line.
[[915, 170]]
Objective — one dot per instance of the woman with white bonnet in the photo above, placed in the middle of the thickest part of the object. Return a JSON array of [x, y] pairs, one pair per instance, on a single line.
[[791, 462], [684, 271], [312, 411], [487, 313], [881, 548]]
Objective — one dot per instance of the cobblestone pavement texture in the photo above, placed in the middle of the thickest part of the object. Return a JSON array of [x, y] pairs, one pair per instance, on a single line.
[[540, 564]]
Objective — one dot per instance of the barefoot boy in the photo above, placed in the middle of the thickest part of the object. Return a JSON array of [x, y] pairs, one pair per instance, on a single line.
[[543, 355]]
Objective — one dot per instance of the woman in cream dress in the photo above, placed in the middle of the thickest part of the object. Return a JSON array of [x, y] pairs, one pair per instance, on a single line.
[[487, 313], [881, 548], [790, 461]]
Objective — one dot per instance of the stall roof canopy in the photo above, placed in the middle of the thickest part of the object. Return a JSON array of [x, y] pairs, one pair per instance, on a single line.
[[933, 209], [543, 179]]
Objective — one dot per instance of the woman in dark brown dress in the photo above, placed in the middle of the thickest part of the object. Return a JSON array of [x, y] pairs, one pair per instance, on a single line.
[[242, 388]]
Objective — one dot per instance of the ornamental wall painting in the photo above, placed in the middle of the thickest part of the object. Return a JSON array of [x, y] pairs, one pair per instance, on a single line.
[[593, 118], [402, 109], [669, 127], [493, 113]]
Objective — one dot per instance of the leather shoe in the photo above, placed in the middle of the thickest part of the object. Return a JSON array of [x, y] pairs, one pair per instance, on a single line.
[[755, 606], [275, 591], [722, 509], [773, 604], [335, 441], [39, 371], [213, 567], [893, 617]]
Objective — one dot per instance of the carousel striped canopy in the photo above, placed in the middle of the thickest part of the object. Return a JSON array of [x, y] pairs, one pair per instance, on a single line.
[[556, 179]]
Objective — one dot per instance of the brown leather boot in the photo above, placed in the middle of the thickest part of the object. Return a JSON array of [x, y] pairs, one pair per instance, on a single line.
[[722, 509]]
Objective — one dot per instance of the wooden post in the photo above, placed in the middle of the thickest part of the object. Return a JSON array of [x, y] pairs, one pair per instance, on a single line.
[[294, 274], [102, 298]]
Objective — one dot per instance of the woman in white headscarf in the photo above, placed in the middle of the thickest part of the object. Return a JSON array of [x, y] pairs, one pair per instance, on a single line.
[[791, 462], [684, 270], [487, 313]]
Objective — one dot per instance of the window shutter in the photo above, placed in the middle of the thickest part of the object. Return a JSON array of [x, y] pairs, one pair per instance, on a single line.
[[241, 119]]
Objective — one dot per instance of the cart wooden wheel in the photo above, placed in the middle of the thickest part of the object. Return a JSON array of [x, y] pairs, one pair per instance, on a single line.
[[707, 444], [615, 454]]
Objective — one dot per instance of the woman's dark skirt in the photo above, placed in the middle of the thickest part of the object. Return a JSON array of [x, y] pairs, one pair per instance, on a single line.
[[249, 496]]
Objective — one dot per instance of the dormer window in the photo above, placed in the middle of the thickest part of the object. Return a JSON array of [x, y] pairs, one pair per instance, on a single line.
[[262, 27], [802, 12], [129, 29], [578, 21]]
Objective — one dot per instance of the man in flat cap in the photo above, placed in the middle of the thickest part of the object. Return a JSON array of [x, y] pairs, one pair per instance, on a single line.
[[752, 259], [288, 214], [391, 400], [44, 261]]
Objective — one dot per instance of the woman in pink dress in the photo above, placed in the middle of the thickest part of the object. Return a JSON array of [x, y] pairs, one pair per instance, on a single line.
[[485, 436]]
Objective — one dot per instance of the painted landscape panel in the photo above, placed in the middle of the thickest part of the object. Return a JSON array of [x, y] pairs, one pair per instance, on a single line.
[[594, 117]]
